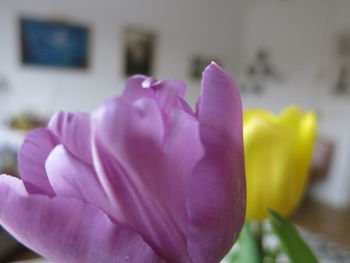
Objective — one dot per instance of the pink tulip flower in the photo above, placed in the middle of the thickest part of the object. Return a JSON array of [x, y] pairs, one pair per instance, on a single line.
[[141, 179]]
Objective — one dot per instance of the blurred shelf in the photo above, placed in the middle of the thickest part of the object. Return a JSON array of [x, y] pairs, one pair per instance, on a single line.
[[318, 218]]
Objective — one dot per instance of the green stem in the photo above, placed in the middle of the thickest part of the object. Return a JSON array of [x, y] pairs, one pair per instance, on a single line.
[[259, 234], [260, 237]]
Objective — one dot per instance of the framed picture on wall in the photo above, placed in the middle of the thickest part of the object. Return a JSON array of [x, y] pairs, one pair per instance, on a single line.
[[198, 64], [139, 51], [54, 43]]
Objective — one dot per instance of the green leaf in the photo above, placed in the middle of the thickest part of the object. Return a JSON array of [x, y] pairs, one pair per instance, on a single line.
[[247, 250], [293, 245]]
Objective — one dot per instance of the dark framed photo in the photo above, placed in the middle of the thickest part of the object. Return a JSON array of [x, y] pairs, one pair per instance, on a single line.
[[198, 64], [139, 52], [53, 43]]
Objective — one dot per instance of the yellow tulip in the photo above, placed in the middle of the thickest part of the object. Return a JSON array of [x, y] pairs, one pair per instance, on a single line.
[[278, 152]]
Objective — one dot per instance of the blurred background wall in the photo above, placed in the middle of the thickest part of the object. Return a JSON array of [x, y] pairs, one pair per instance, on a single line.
[[297, 37], [183, 28], [302, 39]]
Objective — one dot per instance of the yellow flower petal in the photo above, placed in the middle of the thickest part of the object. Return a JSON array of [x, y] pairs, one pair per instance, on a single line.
[[278, 151]]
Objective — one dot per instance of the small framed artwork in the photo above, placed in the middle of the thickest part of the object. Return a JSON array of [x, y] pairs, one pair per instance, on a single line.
[[342, 83], [198, 64], [139, 52], [54, 43]]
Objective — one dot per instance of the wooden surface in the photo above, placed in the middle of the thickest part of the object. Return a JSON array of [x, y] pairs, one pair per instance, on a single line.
[[333, 224]]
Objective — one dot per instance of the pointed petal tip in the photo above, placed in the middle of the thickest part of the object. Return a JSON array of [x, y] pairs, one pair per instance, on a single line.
[[213, 66], [216, 71], [214, 63]]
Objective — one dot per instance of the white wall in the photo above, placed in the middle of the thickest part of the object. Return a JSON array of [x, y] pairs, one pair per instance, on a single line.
[[184, 28], [300, 35]]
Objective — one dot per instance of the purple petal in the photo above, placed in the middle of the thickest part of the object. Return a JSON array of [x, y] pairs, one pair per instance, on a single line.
[[216, 200], [220, 110], [130, 131], [72, 178], [73, 131], [166, 93], [183, 105], [137, 87], [32, 155], [182, 150], [129, 162], [68, 230]]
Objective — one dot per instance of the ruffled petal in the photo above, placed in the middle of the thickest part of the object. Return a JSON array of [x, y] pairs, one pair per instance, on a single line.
[[68, 230], [73, 131], [32, 156], [71, 177], [216, 198], [130, 164]]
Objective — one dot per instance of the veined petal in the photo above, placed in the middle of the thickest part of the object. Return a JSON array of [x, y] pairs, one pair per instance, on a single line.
[[71, 177], [216, 198], [68, 230], [32, 156], [143, 212], [133, 133], [73, 130], [130, 164], [182, 149]]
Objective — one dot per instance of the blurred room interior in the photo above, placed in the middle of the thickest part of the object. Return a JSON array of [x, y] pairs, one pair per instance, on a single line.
[[281, 52]]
